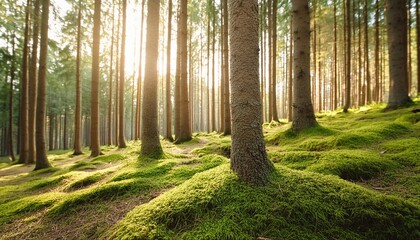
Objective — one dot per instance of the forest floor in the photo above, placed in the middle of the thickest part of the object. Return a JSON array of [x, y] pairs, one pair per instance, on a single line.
[[355, 176]]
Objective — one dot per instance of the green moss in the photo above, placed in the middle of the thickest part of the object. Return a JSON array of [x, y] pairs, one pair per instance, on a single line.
[[49, 182], [108, 158], [82, 165], [404, 151], [84, 182], [219, 146], [353, 164], [294, 205], [15, 209]]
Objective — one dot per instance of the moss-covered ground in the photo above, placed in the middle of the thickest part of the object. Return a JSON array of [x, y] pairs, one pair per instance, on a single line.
[[355, 176]]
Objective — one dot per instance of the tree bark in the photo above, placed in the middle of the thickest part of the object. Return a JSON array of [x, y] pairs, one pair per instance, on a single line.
[[274, 64], [150, 133], [168, 134], [94, 124], [78, 112], [397, 47], [418, 45], [121, 123], [290, 83], [248, 156], [303, 112], [41, 153], [227, 119], [348, 57]]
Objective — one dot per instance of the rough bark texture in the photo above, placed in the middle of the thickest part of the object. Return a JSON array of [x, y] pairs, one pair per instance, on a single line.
[[303, 112], [139, 79], [150, 133], [368, 82], [418, 46], [94, 124], [227, 117], [168, 134], [274, 63], [348, 57], [24, 131], [248, 156], [78, 113], [396, 11], [41, 153], [184, 133], [121, 136], [290, 83], [33, 85]]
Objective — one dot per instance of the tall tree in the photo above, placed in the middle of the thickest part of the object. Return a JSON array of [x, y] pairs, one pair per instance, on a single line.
[[227, 118], [11, 93], [168, 134], [139, 79], [94, 121], [290, 83], [335, 88], [248, 157], [33, 83], [397, 47], [348, 56], [184, 130], [111, 76], [24, 130], [78, 112], [150, 133], [274, 63], [303, 112], [367, 68], [121, 123], [41, 152]]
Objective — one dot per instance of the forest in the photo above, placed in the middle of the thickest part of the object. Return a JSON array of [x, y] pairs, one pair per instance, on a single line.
[[209, 119]]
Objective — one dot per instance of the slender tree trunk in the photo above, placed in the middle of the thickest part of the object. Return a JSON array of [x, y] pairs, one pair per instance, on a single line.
[[168, 135], [368, 83], [41, 153], [121, 122], [109, 137], [12, 79], [78, 112], [178, 76], [208, 68], [33, 85], [335, 88], [274, 63], [377, 72], [348, 57], [150, 133], [270, 59], [314, 78], [94, 125], [248, 158], [409, 76], [65, 135], [117, 83], [303, 112], [397, 48], [227, 119], [184, 133], [213, 98], [139, 79], [290, 85], [24, 125]]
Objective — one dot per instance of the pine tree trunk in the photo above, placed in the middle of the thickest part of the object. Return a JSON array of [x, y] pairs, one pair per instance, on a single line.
[[41, 153], [377, 43], [33, 85], [335, 88], [117, 71], [227, 118], [184, 133], [11, 93], [397, 47], [94, 124], [24, 121], [168, 134], [290, 83], [274, 64], [348, 57], [368, 82], [418, 45], [248, 156], [121, 122], [78, 112], [139, 79], [150, 133], [303, 112]]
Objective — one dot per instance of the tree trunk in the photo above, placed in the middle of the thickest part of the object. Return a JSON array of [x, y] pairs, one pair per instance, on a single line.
[[12, 78], [150, 133], [41, 153], [248, 156], [78, 112], [168, 133], [290, 83], [377, 43], [121, 123], [303, 112], [348, 57], [227, 119], [184, 133], [397, 47], [94, 121], [270, 59], [368, 84], [274, 63], [335, 88], [24, 125], [33, 85]]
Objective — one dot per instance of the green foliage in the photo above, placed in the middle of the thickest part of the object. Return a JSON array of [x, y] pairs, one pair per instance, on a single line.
[[84, 182], [220, 145], [294, 205]]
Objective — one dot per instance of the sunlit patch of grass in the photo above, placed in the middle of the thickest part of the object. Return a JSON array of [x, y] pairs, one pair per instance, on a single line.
[[219, 145]]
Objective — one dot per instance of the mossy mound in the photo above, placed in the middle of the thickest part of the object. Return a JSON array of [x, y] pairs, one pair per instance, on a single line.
[[294, 205]]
